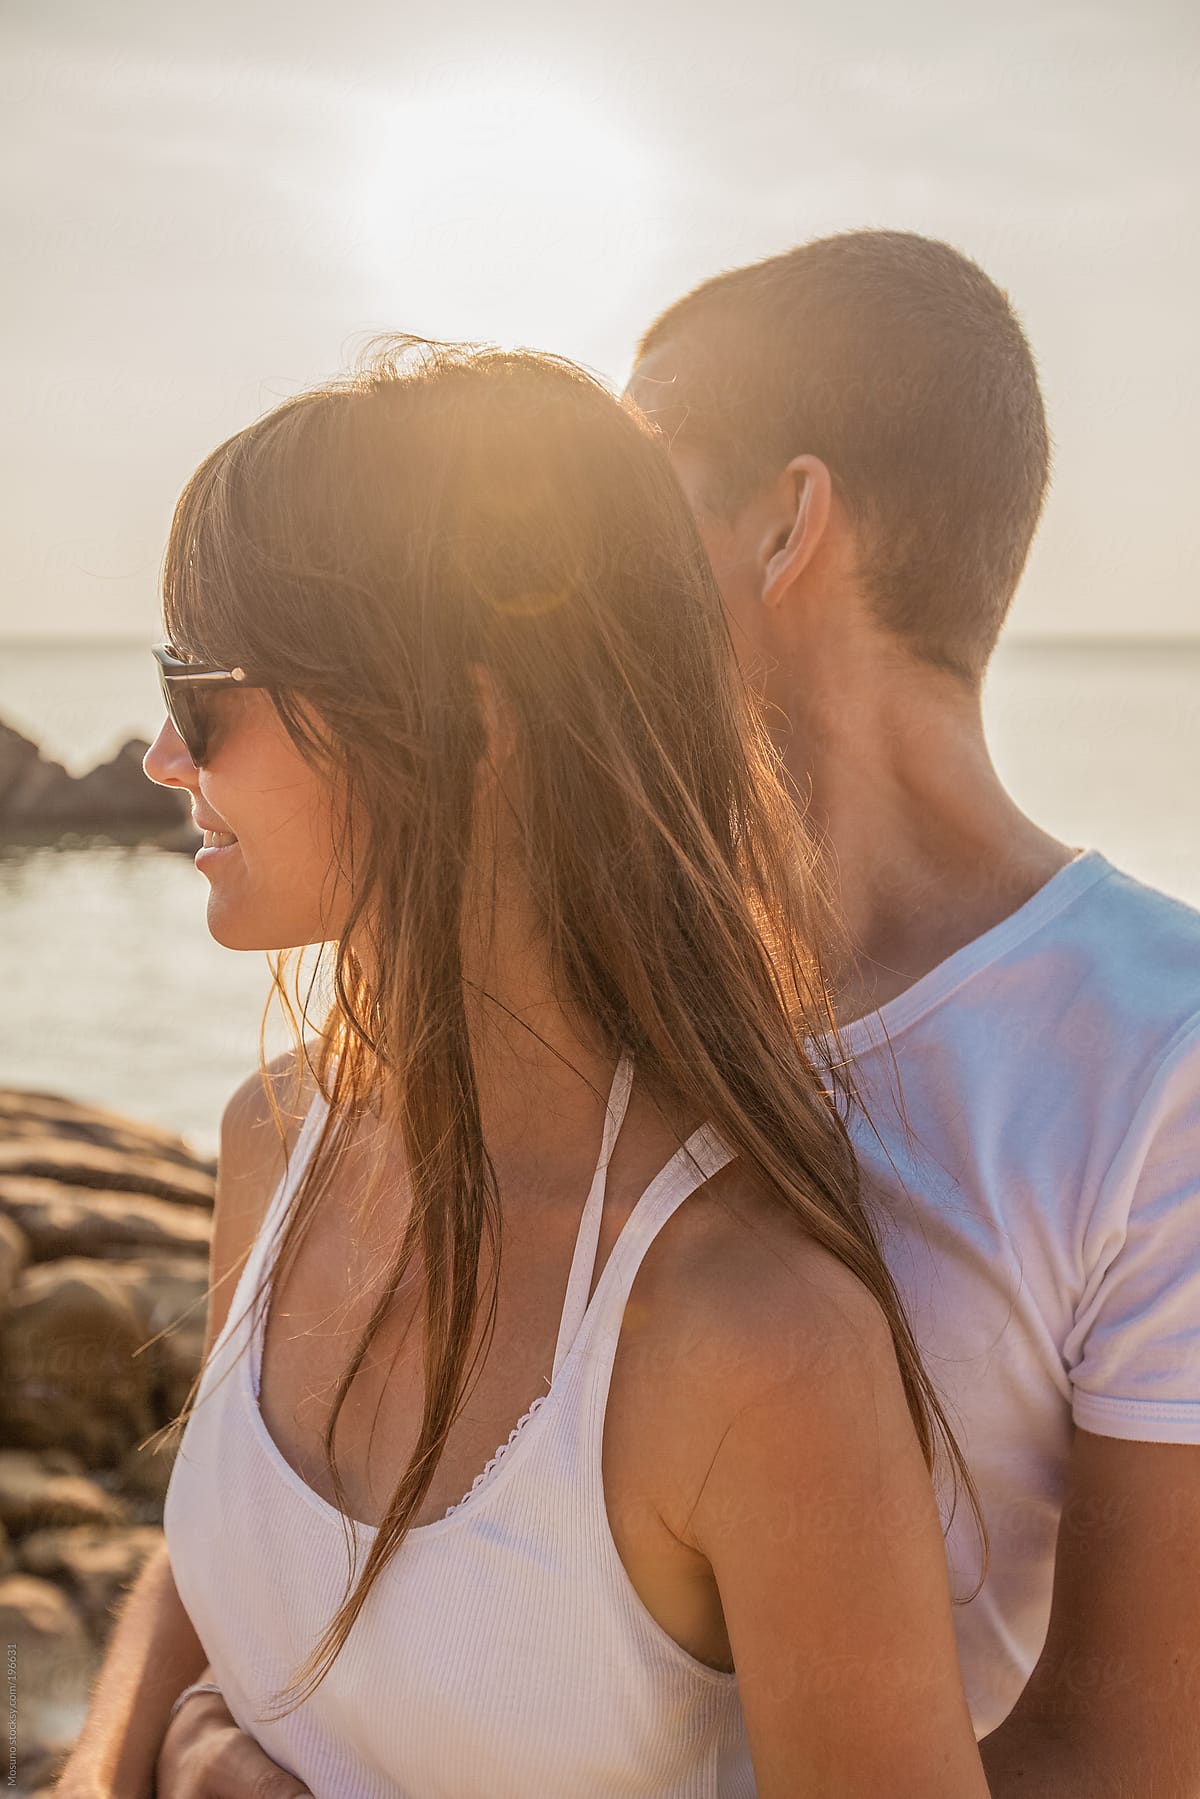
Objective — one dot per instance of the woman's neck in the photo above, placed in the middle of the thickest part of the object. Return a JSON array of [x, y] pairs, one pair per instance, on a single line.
[[542, 1075]]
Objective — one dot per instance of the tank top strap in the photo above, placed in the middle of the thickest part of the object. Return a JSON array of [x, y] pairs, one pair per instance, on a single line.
[[704, 1154], [299, 1156], [583, 1262], [298, 1160], [263, 1249]]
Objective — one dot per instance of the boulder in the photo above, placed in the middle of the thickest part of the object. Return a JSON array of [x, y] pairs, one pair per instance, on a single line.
[[75, 1164], [40, 1774], [50, 1490], [171, 1295], [144, 1475], [15, 1252], [28, 780], [104, 1235], [17, 758], [95, 1567], [118, 792], [54, 1220], [38, 796], [69, 1343], [25, 1114], [55, 1661], [182, 839]]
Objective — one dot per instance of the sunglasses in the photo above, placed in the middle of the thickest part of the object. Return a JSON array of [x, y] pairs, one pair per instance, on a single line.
[[191, 691]]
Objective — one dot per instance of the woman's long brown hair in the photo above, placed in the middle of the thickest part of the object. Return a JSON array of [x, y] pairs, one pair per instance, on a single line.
[[364, 546]]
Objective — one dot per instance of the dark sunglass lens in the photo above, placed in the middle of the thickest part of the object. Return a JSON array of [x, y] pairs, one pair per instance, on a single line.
[[188, 714]]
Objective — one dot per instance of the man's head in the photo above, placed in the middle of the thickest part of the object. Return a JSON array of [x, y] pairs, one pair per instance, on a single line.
[[866, 407]]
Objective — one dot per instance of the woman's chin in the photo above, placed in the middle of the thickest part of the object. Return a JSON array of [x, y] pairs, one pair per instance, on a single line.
[[234, 927], [237, 927]]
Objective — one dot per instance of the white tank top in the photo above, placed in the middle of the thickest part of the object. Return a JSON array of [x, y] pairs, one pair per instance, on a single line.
[[503, 1652]]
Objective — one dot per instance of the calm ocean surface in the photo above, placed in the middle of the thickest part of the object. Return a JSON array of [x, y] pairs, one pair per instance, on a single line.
[[114, 992]]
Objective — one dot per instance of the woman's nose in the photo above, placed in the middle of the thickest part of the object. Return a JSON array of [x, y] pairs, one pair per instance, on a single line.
[[167, 762]]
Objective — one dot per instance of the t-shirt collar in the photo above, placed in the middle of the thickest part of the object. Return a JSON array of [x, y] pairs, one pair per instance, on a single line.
[[1064, 887]]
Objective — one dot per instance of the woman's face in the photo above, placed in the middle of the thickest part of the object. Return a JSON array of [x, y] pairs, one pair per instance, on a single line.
[[273, 882]]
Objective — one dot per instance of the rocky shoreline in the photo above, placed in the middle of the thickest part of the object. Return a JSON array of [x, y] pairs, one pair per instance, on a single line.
[[104, 1234], [41, 803]]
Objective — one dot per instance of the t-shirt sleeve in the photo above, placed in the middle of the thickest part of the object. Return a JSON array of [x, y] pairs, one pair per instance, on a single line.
[[1134, 1355]]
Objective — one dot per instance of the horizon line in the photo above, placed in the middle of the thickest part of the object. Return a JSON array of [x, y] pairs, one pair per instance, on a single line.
[[1040, 640]]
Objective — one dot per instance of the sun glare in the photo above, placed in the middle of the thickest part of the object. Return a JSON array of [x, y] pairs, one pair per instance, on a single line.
[[501, 210]]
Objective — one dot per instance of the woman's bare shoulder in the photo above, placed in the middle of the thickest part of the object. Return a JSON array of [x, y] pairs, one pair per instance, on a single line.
[[259, 1125], [746, 1302], [806, 1492], [274, 1097], [752, 1263]]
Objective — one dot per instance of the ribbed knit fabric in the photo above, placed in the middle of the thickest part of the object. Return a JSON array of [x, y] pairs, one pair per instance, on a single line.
[[503, 1653]]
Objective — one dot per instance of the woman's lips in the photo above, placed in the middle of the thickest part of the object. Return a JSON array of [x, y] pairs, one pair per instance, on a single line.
[[216, 844]]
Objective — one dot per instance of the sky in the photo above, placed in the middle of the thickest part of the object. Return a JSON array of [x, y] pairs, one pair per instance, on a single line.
[[208, 208]]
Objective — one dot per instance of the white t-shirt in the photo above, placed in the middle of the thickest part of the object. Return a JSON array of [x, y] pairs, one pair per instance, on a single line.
[[1044, 1226]]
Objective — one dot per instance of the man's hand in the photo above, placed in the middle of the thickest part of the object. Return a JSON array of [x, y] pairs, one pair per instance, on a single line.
[[1112, 1710], [205, 1756]]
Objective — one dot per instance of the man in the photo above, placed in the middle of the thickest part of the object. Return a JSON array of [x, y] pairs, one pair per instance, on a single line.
[[859, 428]]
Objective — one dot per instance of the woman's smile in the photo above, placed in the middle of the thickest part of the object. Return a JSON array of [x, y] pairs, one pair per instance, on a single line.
[[218, 839], [216, 845], [273, 884]]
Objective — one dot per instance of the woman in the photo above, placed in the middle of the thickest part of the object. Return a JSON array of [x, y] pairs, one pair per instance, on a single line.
[[452, 692]]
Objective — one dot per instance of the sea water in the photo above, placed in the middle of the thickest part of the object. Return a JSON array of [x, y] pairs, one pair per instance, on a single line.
[[114, 992]]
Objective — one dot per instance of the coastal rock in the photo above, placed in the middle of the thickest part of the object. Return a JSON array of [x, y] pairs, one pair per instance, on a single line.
[[118, 792], [170, 1294], [76, 1164], [44, 1770], [38, 796], [55, 1661], [68, 1343], [15, 1252], [95, 1567], [24, 1114], [56, 1220], [144, 1475], [104, 1228], [17, 758], [184, 839], [28, 780], [50, 1491]]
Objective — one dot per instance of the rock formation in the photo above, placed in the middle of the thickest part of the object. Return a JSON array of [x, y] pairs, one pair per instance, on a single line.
[[104, 1232], [39, 797]]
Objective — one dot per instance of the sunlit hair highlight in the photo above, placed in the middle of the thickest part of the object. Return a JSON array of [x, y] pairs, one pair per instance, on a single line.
[[367, 545]]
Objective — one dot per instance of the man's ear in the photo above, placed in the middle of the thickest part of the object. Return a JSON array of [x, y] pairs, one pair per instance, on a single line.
[[805, 510]]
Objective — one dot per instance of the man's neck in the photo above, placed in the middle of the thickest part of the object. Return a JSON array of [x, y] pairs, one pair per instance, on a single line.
[[924, 847]]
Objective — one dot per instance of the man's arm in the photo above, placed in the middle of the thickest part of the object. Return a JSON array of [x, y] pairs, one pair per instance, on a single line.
[[1112, 1709]]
